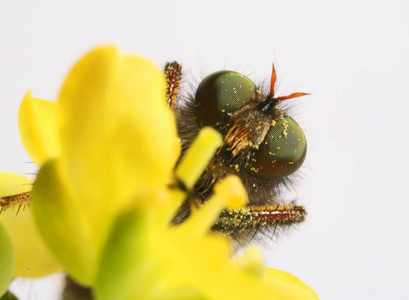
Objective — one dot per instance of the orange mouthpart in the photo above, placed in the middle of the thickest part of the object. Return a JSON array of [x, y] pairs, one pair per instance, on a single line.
[[273, 82]]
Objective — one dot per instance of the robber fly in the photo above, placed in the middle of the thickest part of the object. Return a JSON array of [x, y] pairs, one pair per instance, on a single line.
[[261, 144]]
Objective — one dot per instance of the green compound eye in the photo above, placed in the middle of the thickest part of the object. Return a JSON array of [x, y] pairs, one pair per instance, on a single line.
[[220, 94], [282, 152]]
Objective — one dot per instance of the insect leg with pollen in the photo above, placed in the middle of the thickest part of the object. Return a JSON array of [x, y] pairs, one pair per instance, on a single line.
[[12, 201]]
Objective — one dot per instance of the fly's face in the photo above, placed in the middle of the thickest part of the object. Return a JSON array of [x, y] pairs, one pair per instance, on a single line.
[[262, 145], [257, 134]]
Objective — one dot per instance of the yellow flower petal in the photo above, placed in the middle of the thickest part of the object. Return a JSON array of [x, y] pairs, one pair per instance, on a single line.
[[192, 166], [251, 262], [12, 184], [198, 156], [200, 256], [203, 263], [287, 286], [38, 128], [228, 191], [105, 106], [33, 259], [117, 137], [63, 224], [231, 189]]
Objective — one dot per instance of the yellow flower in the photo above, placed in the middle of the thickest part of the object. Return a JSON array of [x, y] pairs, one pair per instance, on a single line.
[[103, 199], [99, 155]]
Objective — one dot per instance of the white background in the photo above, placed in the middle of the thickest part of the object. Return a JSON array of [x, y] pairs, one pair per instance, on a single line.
[[352, 55]]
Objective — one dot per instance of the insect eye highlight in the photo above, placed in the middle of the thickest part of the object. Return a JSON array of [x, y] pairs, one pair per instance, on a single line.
[[282, 152], [220, 94]]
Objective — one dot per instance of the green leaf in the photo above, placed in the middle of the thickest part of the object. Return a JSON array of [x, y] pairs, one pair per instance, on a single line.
[[8, 296], [121, 257], [7, 261]]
